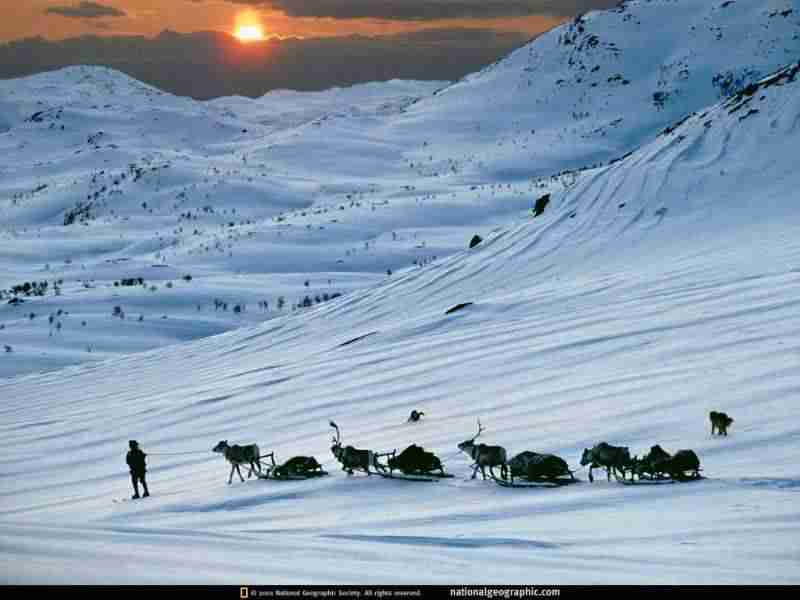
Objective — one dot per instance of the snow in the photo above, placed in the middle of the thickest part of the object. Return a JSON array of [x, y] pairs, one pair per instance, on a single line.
[[652, 290]]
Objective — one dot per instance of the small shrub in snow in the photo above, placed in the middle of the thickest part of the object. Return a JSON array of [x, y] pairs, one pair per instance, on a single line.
[[35, 288], [660, 99], [80, 213], [729, 83], [130, 282]]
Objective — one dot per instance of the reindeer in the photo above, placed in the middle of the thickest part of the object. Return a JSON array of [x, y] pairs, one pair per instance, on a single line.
[[240, 455], [350, 457], [485, 456], [658, 462], [613, 458]]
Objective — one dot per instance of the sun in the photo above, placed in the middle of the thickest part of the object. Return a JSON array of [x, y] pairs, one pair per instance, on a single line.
[[249, 33]]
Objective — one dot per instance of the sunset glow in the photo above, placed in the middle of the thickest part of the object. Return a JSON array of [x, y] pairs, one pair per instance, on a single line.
[[249, 33]]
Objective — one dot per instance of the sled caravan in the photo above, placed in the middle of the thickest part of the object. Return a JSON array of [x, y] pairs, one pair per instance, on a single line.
[[526, 469]]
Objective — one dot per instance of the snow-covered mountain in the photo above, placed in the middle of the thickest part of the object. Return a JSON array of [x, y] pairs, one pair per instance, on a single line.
[[653, 289], [584, 93]]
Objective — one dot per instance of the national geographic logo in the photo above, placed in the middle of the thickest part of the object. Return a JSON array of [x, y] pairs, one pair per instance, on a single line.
[[251, 593]]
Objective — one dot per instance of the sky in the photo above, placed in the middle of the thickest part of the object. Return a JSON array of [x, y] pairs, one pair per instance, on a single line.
[[409, 37]]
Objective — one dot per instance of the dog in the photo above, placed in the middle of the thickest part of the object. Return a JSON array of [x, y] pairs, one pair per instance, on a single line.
[[719, 422]]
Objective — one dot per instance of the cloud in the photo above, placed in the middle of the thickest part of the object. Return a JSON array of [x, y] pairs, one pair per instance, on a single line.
[[428, 10], [85, 10], [99, 25], [211, 64]]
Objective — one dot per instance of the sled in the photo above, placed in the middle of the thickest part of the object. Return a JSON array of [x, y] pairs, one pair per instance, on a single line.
[[298, 468], [661, 480], [536, 470], [659, 466], [524, 482], [386, 472], [646, 481], [271, 475], [412, 477]]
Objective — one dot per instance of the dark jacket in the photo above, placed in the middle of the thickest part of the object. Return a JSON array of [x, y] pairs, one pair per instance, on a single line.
[[135, 460]]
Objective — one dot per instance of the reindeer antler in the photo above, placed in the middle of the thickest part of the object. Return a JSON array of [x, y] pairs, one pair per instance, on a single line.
[[338, 437], [480, 428]]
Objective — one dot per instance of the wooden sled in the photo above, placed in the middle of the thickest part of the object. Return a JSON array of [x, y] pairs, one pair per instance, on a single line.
[[523, 482], [270, 474], [413, 477], [661, 480], [298, 468], [388, 473]]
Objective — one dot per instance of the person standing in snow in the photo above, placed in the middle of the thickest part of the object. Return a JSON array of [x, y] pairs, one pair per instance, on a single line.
[[135, 460]]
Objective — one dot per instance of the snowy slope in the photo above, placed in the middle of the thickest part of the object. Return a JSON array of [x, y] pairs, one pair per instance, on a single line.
[[158, 188], [254, 198], [287, 109], [650, 292]]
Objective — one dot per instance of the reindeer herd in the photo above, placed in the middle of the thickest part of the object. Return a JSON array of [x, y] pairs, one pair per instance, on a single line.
[[526, 469]]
